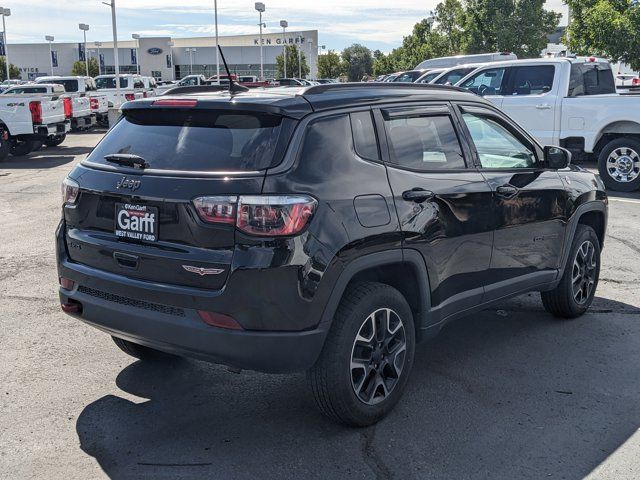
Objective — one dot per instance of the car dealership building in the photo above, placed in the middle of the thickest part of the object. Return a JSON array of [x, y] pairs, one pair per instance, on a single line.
[[167, 58]]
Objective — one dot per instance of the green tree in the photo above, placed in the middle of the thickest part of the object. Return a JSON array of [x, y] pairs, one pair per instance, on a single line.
[[519, 26], [14, 72], [80, 70], [329, 65], [608, 28], [358, 62], [292, 63], [450, 18]]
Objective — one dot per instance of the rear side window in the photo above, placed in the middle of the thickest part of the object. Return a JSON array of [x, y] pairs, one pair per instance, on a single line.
[[194, 140], [429, 77], [533, 80], [364, 135], [454, 76], [424, 143], [591, 79]]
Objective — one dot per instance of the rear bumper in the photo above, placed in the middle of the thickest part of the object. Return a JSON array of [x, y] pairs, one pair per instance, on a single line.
[[52, 129], [84, 122], [185, 334]]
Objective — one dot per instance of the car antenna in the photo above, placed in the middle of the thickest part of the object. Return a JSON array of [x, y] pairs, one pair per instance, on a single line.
[[233, 86]]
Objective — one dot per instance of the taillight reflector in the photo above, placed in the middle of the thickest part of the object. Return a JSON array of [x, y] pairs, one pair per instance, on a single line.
[[66, 283], [635, 81], [70, 190], [129, 96], [68, 107], [175, 103], [94, 104], [261, 215], [219, 320], [36, 111]]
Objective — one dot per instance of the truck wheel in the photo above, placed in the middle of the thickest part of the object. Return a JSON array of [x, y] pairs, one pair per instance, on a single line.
[[55, 140], [19, 148], [367, 356], [619, 164], [140, 351], [574, 294]]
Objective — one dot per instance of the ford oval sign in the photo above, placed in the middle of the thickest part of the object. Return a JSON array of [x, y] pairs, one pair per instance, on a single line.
[[154, 51]]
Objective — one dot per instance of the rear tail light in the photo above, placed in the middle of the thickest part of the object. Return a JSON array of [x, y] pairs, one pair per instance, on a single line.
[[175, 103], [68, 107], [219, 320], [635, 81], [94, 104], [262, 215], [70, 190], [71, 307], [144, 94], [129, 96], [36, 111]]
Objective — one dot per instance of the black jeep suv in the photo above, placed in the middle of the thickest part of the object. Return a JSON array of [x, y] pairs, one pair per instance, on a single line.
[[327, 229]]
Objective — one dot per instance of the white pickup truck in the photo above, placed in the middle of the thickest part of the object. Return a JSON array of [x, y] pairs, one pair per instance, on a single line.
[[131, 88], [89, 105], [571, 102], [28, 120]]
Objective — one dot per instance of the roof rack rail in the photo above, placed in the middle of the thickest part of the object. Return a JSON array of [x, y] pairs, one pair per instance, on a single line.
[[195, 89], [318, 89]]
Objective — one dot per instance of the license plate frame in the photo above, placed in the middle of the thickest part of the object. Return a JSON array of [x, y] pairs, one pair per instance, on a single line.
[[134, 221]]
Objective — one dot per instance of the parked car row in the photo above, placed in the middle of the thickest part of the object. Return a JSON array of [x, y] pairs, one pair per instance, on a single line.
[[566, 101]]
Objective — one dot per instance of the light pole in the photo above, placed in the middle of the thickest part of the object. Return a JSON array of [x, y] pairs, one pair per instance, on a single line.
[[98, 45], [136, 37], [5, 12], [84, 27], [215, 8], [170, 44], [260, 8], [299, 59], [191, 51], [49, 38], [284, 24], [309, 42], [116, 60]]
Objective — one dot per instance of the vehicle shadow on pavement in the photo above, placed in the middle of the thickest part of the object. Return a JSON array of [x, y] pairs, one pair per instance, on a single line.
[[46, 157], [507, 393]]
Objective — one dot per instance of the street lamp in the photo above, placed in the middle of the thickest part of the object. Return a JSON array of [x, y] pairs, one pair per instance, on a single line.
[[84, 27], [321, 48], [116, 59], [136, 37], [49, 38], [431, 20], [260, 8], [215, 8], [98, 45], [5, 12], [284, 24], [191, 51]]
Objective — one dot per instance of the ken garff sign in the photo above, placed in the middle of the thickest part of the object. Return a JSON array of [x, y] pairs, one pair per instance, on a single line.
[[154, 51]]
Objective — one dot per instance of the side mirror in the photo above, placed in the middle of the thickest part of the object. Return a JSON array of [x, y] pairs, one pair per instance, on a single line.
[[557, 157]]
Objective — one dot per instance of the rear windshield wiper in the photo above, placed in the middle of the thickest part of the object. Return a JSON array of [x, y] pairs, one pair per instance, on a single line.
[[127, 160]]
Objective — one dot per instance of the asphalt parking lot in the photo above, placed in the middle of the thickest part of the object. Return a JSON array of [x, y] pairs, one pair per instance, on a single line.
[[510, 393]]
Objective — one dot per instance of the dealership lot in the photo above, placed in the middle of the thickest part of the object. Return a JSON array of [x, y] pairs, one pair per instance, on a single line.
[[508, 393]]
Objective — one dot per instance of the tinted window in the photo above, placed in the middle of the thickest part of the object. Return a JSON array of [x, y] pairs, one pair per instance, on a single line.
[[408, 77], [204, 140], [110, 82], [27, 90], [138, 84], [454, 76], [429, 77], [69, 85], [364, 135], [533, 80], [497, 147], [487, 82], [424, 143], [591, 79]]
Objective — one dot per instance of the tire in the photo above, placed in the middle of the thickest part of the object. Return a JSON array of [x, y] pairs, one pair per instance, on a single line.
[[55, 140], [564, 301], [619, 164], [19, 149], [353, 396], [140, 351]]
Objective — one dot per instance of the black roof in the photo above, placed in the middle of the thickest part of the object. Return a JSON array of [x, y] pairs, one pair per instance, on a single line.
[[297, 102]]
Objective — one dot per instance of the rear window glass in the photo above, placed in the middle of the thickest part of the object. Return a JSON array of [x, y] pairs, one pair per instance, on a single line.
[[110, 82], [194, 140], [69, 85], [591, 79]]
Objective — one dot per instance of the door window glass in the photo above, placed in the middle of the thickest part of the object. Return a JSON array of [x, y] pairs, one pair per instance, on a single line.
[[487, 82], [364, 135], [533, 80], [497, 147], [424, 143]]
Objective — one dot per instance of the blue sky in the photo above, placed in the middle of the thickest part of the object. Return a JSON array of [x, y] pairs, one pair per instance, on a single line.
[[375, 23]]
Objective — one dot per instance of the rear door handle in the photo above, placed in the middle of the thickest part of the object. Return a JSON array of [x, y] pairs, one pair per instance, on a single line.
[[507, 191], [417, 195], [543, 106]]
